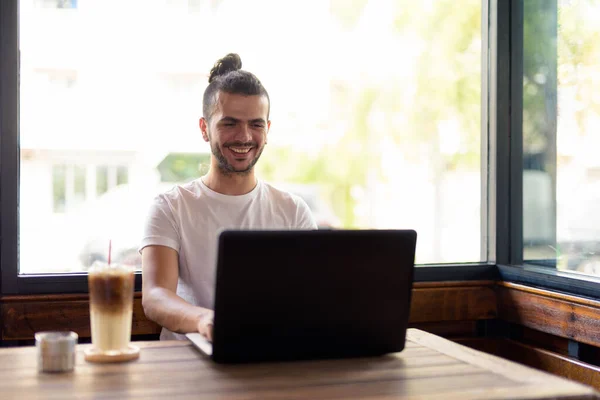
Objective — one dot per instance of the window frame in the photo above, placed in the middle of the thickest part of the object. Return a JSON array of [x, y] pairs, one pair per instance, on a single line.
[[9, 146], [501, 168], [508, 17]]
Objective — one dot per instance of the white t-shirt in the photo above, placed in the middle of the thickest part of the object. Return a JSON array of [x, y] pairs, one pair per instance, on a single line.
[[188, 218]]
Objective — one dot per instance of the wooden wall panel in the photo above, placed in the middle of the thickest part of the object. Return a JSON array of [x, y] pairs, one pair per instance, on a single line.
[[22, 316], [546, 360], [448, 329], [453, 303], [544, 340], [550, 312], [436, 307], [535, 357], [485, 344]]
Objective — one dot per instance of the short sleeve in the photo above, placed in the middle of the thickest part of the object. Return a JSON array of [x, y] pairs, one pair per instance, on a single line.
[[304, 217], [160, 227]]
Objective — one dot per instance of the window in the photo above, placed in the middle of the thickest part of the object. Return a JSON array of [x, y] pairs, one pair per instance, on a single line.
[[376, 117], [369, 138], [55, 3], [68, 187], [101, 180], [59, 198], [561, 125]]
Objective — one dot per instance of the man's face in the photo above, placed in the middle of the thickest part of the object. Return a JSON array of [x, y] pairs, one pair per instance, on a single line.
[[237, 131]]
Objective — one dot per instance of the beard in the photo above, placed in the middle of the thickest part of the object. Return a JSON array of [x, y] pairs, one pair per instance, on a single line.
[[225, 166]]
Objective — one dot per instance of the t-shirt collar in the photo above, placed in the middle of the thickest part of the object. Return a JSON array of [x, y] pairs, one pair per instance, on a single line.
[[237, 199]]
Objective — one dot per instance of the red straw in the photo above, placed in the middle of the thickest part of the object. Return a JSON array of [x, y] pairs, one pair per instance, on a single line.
[[109, 250]]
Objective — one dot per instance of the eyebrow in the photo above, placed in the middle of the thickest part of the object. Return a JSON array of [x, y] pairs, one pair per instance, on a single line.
[[256, 120], [235, 120], [229, 119]]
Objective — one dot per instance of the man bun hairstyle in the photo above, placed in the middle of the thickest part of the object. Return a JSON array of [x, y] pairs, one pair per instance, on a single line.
[[231, 62], [227, 76]]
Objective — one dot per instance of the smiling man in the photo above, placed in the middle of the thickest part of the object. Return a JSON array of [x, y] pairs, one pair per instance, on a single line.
[[180, 237]]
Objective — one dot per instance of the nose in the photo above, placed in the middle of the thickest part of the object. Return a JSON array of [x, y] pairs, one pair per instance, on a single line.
[[244, 134]]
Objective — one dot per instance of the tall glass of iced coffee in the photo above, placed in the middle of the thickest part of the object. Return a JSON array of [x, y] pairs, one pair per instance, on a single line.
[[111, 313]]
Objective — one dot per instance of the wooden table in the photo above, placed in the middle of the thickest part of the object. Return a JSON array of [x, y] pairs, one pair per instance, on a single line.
[[429, 367]]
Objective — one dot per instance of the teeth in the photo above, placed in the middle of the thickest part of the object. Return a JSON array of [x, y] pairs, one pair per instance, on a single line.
[[241, 150]]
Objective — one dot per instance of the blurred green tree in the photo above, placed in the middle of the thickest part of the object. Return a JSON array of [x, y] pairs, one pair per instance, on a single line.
[[444, 85]]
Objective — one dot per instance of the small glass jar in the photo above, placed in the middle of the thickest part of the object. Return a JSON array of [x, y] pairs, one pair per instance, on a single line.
[[56, 351]]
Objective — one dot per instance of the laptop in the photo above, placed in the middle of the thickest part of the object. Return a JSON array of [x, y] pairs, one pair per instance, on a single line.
[[299, 295]]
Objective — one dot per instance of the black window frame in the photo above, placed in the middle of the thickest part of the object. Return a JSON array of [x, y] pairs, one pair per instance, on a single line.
[[507, 19], [501, 167]]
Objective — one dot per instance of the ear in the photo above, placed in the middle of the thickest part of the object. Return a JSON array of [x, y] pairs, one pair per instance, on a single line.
[[268, 129], [204, 129]]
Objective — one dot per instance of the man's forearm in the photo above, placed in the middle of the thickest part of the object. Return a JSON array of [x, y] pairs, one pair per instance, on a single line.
[[170, 311]]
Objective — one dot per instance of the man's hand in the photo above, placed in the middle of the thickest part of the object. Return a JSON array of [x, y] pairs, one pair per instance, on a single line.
[[205, 324]]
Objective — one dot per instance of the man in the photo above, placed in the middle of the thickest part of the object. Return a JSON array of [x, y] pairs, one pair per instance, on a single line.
[[179, 244]]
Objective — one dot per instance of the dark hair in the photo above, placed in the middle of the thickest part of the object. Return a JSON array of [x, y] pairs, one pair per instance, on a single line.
[[227, 76]]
